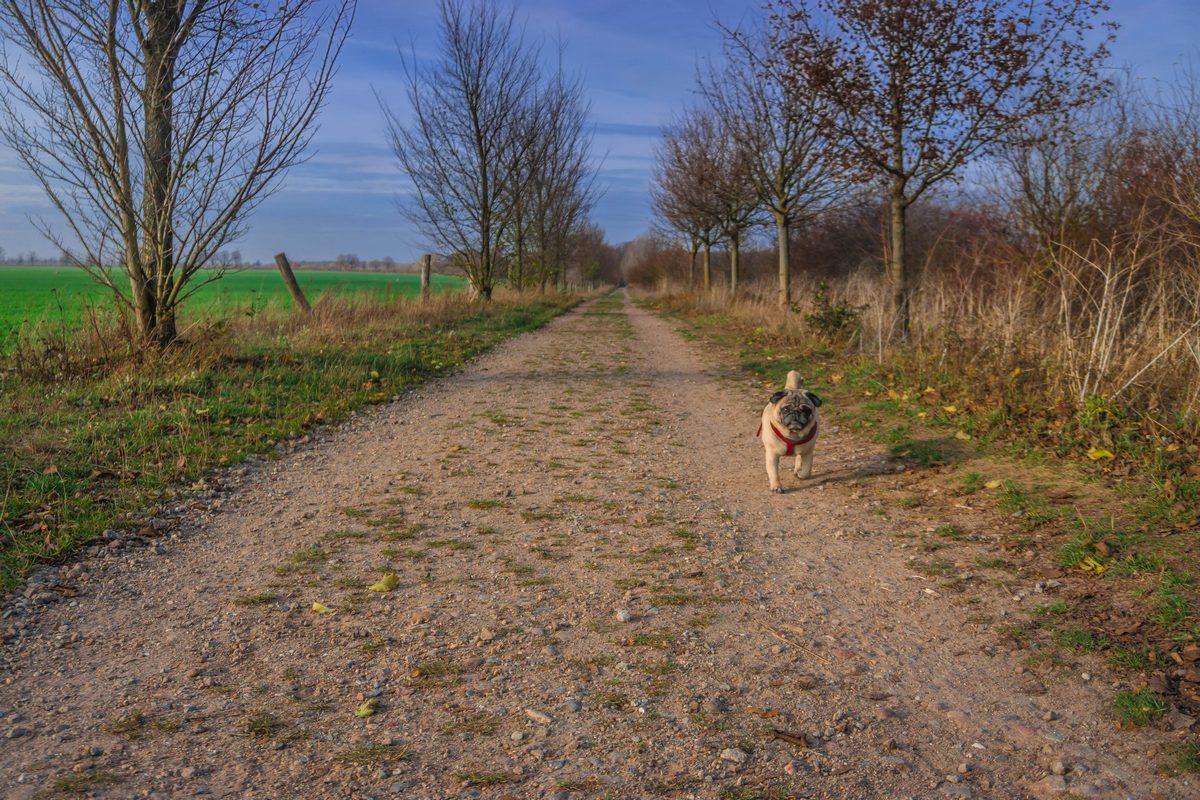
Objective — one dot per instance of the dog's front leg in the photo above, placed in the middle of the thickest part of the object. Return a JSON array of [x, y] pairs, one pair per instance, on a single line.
[[803, 468], [773, 471]]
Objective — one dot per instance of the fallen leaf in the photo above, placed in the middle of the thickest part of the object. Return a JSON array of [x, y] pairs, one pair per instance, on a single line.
[[950, 409], [1016, 371], [367, 709], [992, 485], [966, 437], [384, 584], [1096, 453], [765, 713], [791, 738], [321, 608], [1090, 564], [454, 448], [51, 470]]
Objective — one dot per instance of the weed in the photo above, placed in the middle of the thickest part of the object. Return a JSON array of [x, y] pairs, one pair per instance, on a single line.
[[342, 534], [1134, 709], [1124, 658], [1080, 640], [260, 724], [993, 563], [259, 599], [536, 516], [373, 645], [972, 482], [656, 640], [475, 725], [690, 538], [131, 726], [1172, 609], [304, 560], [935, 568], [1009, 630], [485, 504], [1052, 609], [1185, 757], [950, 532], [83, 782], [436, 672], [371, 754], [355, 513], [403, 533], [479, 778]]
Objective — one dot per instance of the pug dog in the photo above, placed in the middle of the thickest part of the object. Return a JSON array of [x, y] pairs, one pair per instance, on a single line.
[[789, 427]]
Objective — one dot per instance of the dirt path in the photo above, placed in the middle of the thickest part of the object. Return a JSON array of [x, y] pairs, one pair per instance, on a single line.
[[597, 597]]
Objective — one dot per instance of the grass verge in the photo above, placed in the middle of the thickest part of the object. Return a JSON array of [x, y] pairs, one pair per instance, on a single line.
[[93, 438]]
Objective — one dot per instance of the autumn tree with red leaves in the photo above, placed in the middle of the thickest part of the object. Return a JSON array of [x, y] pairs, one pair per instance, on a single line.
[[914, 90]]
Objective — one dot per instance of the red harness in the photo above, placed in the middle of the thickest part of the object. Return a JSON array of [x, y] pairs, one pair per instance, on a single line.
[[791, 445]]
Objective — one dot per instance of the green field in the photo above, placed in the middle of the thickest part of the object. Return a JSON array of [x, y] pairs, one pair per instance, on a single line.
[[32, 295]]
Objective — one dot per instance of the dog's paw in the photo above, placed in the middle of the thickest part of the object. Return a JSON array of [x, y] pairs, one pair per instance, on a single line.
[[777, 489]]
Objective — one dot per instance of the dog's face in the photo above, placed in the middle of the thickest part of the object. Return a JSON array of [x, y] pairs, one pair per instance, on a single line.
[[794, 409]]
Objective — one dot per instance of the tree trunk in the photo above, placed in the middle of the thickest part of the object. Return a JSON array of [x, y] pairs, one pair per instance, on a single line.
[[898, 263], [785, 265], [707, 267], [158, 242], [733, 262], [692, 266]]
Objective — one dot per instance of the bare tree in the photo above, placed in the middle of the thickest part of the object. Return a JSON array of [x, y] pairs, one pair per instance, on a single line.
[[679, 191], [773, 124], [913, 90], [465, 146], [561, 187], [156, 127]]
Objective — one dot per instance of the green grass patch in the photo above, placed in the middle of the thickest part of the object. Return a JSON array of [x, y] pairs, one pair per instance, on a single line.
[[1184, 758], [1080, 640], [1125, 658], [1052, 609], [1134, 709]]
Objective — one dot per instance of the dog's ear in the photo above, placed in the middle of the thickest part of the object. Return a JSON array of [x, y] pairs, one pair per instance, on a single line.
[[816, 401], [775, 398]]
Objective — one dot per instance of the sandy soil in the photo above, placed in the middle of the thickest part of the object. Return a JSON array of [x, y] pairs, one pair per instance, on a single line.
[[597, 597]]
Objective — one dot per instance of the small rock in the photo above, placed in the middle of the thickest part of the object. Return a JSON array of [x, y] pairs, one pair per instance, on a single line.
[[540, 717], [623, 615], [1049, 787], [423, 615], [1058, 767], [187, 773], [963, 768], [517, 736], [716, 705], [1049, 716], [18, 732], [486, 635], [734, 755]]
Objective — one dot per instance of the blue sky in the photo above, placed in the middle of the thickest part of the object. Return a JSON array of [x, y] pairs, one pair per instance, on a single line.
[[638, 59]]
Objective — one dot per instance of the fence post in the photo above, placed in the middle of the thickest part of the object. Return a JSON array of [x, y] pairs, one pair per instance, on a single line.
[[426, 266], [289, 277]]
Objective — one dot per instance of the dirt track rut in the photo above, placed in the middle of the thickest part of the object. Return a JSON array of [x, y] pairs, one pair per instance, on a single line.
[[597, 597]]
